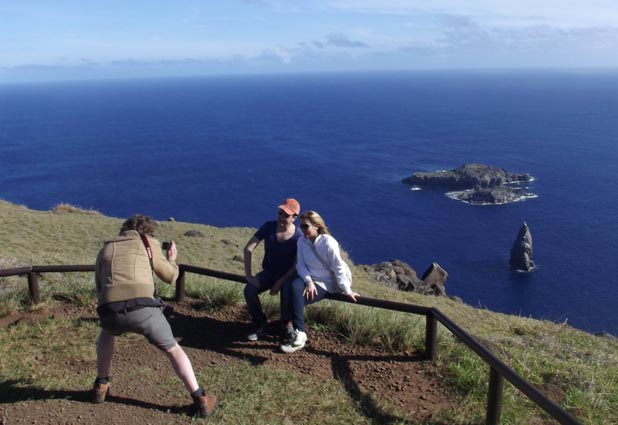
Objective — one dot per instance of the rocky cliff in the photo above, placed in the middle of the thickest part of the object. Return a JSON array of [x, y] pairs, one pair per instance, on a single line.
[[398, 274]]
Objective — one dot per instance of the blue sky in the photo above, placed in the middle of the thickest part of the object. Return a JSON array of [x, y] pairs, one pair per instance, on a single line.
[[80, 39]]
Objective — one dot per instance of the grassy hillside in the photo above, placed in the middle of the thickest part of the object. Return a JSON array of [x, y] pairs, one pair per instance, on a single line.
[[578, 370]]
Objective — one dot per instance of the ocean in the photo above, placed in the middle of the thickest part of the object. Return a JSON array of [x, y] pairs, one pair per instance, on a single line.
[[226, 151]]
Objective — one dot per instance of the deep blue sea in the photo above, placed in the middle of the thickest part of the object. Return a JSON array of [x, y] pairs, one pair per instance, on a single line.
[[226, 151]]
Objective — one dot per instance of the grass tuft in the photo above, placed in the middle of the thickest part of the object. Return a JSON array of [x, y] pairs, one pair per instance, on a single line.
[[213, 294], [13, 300], [63, 208], [391, 331]]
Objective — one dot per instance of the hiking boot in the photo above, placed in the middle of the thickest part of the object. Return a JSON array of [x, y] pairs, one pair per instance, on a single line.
[[99, 392], [297, 343], [259, 333], [205, 404]]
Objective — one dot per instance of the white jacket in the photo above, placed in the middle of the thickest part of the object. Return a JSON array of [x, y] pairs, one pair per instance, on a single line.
[[309, 266]]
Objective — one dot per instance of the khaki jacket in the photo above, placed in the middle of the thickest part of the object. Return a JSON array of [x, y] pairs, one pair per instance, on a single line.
[[123, 269]]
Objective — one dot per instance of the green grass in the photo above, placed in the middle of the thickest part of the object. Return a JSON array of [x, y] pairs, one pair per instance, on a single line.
[[578, 369], [212, 293], [395, 332], [26, 359], [252, 394]]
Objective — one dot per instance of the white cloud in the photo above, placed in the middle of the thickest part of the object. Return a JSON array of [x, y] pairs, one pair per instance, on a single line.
[[321, 34], [561, 13], [278, 54], [341, 40]]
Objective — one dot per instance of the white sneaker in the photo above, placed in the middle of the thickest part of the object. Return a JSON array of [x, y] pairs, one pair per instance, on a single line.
[[298, 342], [258, 334]]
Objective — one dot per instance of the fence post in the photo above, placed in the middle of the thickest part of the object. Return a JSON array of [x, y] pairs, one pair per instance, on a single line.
[[33, 288], [431, 335], [494, 397], [180, 286]]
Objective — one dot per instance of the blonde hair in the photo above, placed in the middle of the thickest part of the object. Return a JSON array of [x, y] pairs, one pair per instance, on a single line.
[[315, 219]]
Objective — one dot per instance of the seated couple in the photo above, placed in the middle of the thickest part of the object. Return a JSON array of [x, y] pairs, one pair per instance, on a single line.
[[303, 265]]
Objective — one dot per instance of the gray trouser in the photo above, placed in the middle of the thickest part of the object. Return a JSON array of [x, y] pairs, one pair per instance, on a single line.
[[147, 321]]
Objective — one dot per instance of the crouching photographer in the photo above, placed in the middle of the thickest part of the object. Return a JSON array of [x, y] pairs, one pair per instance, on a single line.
[[126, 303]]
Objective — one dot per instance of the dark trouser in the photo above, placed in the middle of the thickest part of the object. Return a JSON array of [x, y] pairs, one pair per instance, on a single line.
[[253, 300], [292, 295]]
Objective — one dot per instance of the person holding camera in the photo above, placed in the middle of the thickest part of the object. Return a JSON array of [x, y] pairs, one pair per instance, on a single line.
[[279, 238], [126, 303]]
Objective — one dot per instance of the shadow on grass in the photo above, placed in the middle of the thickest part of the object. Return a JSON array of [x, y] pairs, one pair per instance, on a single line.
[[216, 335], [367, 405], [228, 337], [12, 391]]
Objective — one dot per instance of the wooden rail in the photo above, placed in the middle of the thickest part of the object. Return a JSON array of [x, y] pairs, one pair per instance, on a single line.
[[498, 371]]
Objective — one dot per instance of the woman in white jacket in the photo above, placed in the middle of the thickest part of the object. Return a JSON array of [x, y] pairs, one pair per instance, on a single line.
[[320, 269]]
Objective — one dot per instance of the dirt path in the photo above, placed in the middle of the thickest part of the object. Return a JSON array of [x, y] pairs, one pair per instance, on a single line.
[[218, 338]]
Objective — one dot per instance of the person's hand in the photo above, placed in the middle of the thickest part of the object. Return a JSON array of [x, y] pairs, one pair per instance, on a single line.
[[276, 287], [253, 281], [172, 252], [354, 295], [310, 290]]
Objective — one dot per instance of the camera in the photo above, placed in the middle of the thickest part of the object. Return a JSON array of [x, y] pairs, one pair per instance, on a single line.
[[165, 246]]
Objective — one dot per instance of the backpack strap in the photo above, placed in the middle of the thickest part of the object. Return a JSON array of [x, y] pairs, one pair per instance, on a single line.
[[149, 252], [319, 257], [148, 249]]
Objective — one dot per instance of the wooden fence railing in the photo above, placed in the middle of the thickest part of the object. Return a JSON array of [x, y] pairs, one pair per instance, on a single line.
[[498, 370]]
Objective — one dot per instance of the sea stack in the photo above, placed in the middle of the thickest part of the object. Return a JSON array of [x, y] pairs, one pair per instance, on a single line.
[[521, 253]]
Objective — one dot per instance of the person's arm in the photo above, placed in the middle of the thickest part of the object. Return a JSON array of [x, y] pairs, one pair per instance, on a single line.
[[97, 271], [248, 257], [165, 268], [339, 267], [301, 267], [279, 283], [303, 271]]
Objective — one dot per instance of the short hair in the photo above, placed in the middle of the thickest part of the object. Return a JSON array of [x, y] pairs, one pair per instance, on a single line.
[[142, 224], [315, 219]]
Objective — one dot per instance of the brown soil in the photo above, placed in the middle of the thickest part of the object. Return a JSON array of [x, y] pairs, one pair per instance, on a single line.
[[211, 339]]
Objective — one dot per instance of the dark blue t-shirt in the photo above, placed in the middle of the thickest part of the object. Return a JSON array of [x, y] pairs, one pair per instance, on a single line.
[[279, 257]]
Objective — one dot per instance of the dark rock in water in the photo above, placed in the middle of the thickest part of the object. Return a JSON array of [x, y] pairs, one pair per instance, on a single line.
[[521, 253], [467, 177], [476, 184], [493, 195]]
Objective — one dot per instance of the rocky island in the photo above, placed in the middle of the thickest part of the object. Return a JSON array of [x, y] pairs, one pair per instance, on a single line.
[[476, 184]]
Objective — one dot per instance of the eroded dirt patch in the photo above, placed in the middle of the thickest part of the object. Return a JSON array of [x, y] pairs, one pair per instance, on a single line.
[[211, 339]]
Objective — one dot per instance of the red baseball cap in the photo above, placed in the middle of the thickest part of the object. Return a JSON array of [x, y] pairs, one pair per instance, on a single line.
[[290, 206]]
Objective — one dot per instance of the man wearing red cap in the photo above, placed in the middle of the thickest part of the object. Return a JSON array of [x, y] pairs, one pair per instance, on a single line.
[[278, 265]]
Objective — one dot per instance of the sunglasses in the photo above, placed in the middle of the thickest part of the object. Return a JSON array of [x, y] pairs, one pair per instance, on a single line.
[[305, 226], [283, 214]]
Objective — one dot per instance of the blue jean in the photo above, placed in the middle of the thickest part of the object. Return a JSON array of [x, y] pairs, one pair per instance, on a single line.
[[253, 300], [292, 295]]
